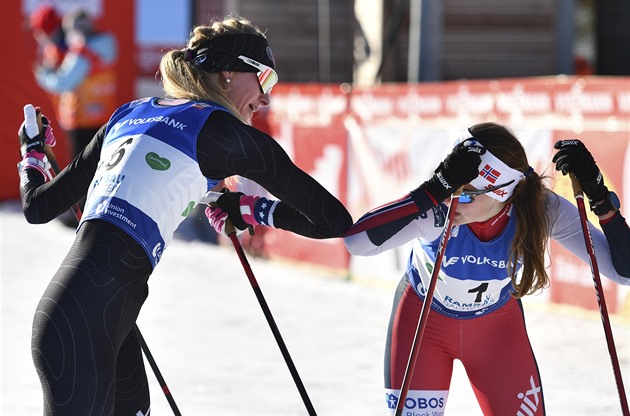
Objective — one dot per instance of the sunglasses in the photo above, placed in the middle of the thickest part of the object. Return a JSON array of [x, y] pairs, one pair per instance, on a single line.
[[267, 77], [466, 197]]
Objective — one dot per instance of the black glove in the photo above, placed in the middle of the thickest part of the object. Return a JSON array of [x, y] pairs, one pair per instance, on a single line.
[[459, 168], [28, 144], [31, 137], [574, 157], [230, 203]]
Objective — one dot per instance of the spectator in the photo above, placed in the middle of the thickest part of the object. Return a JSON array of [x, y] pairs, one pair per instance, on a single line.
[[45, 24], [85, 79]]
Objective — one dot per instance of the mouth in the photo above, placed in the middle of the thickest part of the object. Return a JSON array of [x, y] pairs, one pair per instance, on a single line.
[[253, 108]]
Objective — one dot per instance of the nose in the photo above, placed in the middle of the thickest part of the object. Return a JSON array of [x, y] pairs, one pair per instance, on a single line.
[[265, 100]]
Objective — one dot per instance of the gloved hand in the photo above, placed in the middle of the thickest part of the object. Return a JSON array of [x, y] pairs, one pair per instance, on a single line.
[[32, 142], [246, 211], [32, 138], [460, 167], [574, 157], [218, 220]]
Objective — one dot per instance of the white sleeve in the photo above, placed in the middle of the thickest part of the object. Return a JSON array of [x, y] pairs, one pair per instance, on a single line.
[[389, 234], [566, 229]]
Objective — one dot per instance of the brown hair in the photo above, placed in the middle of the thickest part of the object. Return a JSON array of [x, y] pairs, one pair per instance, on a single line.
[[181, 78], [529, 244]]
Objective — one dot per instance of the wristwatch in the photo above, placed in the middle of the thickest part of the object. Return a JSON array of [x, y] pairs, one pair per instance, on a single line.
[[611, 203]]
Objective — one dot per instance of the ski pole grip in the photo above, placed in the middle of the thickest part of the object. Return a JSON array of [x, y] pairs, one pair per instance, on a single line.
[[229, 227], [576, 186], [33, 122], [210, 198]]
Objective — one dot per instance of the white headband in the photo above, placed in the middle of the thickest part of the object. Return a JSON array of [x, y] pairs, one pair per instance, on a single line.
[[494, 172]]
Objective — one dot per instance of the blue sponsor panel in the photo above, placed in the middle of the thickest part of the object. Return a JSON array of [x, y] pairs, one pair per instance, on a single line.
[[417, 403], [473, 273], [131, 219]]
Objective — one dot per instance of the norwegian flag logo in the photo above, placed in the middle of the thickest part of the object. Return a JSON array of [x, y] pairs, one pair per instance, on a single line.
[[490, 174]]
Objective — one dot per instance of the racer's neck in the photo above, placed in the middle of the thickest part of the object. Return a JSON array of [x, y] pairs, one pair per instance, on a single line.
[[487, 230]]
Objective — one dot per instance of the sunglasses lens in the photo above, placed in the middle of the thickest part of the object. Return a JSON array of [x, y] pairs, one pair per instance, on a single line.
[[267, 79], [464, 198]]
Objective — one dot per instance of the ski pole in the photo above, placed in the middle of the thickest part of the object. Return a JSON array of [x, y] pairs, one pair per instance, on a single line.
[[29, 113], [426, 305], [158, 374], [231, 232], [599, 292]]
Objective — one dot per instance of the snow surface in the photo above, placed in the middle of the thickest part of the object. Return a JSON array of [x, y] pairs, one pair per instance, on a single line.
[[211, 342]]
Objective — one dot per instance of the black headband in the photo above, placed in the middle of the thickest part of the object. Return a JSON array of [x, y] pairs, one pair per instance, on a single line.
[[221, 53]]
